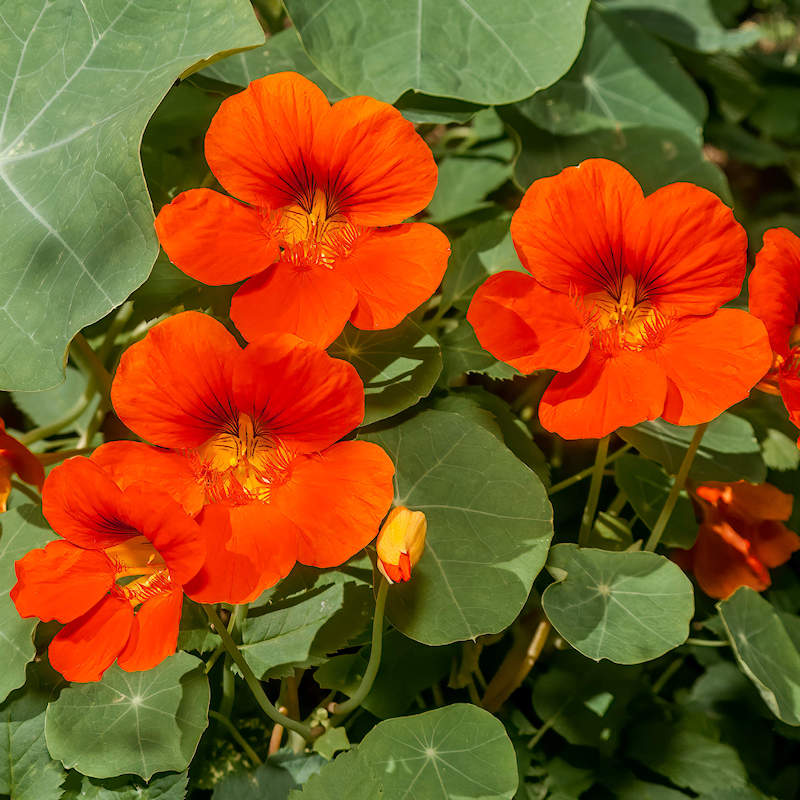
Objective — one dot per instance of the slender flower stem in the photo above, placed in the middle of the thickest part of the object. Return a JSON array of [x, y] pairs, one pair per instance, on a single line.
[[585, 473], [92, 363], [121, 319], [374, 655], [58, 425], [594, 491], [677, 488], [707, 642], [253, 683], [240, 740], [28, 491]]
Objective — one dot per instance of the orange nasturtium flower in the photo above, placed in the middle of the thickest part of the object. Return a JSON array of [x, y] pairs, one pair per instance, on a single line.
[[623, 300], [115, 577], [400, 543], [741, 537], [775, 299], [253, 437], [319, 185], [16, 459]]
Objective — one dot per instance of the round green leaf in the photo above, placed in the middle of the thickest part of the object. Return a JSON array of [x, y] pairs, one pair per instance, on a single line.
[[458, 751], [131, 722], [506, 51], [489, 527], [626, 607], [765, 651], [80, 79], [21, 529], [398, 367]]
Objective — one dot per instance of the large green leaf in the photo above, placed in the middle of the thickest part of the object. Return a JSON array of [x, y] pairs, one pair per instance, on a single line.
[[462, 352], [21, 529], [626, 607], [489, 527], [622, 78], [273, 780], [729, 449], [147, 722], [351, 776], [398, 367], [647, 487], [459, 751], [171, 786], [765, 651], [79, 80], [505, 51], [654, 156]]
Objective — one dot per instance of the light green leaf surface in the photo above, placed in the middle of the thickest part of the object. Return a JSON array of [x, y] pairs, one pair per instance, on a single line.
[[489, 527], [147, 722], [626, 607], [21, 529], [398, 367], [765, 651], [79, 80], [171, 786], [728, 451], [622, 78], [505, 51], [331, 742], [462, 352]]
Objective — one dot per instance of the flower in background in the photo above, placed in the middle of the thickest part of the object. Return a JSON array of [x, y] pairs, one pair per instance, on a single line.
[[253, 437], [774, 289], [400, 543], [741, 536], [623, 301], [16, 459], [115, 577], [319, 185]]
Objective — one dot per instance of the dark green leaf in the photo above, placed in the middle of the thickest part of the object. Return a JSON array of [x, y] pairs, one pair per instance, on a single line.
[[462, 352], [351, 776], [273, 780], [171, 786]]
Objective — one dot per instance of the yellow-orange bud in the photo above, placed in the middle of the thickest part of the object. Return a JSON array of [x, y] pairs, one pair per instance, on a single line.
[[400, 543]]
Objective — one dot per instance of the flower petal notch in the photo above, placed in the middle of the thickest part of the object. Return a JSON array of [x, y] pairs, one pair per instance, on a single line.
[[322, 193], [623, 300], [116, 576], [253, 437]]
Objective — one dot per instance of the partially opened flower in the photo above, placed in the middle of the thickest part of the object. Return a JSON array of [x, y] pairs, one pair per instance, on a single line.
[[741, 536], [254, 438], [774, 288], [16, 459], [401, 543], [115, 577], [623, 300], [319, 185]]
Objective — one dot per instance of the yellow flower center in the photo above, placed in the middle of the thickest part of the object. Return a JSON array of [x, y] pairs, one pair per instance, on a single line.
[[137, 558]]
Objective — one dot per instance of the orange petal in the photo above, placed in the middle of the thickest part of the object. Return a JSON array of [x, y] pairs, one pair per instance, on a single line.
[[134, 462], [6, 471], [520, 322], [337, 499], [259, 142], [605, 393], [372, 163], [752, 502], [214, 238], [61, 581], [394, 270], [21, 460], [773, 543], [569, 229], [774, 287], [154, 633], [312, 302], [86, 647], [173, 387], [712, 363], [790, 392], [300, 394], [686, 250]]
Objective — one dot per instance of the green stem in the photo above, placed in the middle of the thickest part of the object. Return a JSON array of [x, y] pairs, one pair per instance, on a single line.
[[240, 740], [121, 319], [58, 425], [677, 488], [585, 473], [253, 683], [32, 494], [707, 642], [92, 363], [594, 491], [374, 655]]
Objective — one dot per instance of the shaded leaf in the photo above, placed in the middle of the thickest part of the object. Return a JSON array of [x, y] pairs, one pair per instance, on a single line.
[[171, 786], [350, 776], [274, 779], [462, 352]]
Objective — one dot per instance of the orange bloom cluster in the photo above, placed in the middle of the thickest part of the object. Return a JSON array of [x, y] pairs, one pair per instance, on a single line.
[[741, 536]]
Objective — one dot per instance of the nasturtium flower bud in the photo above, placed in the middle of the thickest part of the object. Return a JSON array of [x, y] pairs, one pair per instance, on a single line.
[[400, 543]]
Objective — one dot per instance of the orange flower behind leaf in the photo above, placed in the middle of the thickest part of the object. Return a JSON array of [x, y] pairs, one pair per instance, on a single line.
[[774, 288], [623, 301], [115, 577], [318, 233], [741, 537], [253, 437], [16, 459], [400, 543]]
